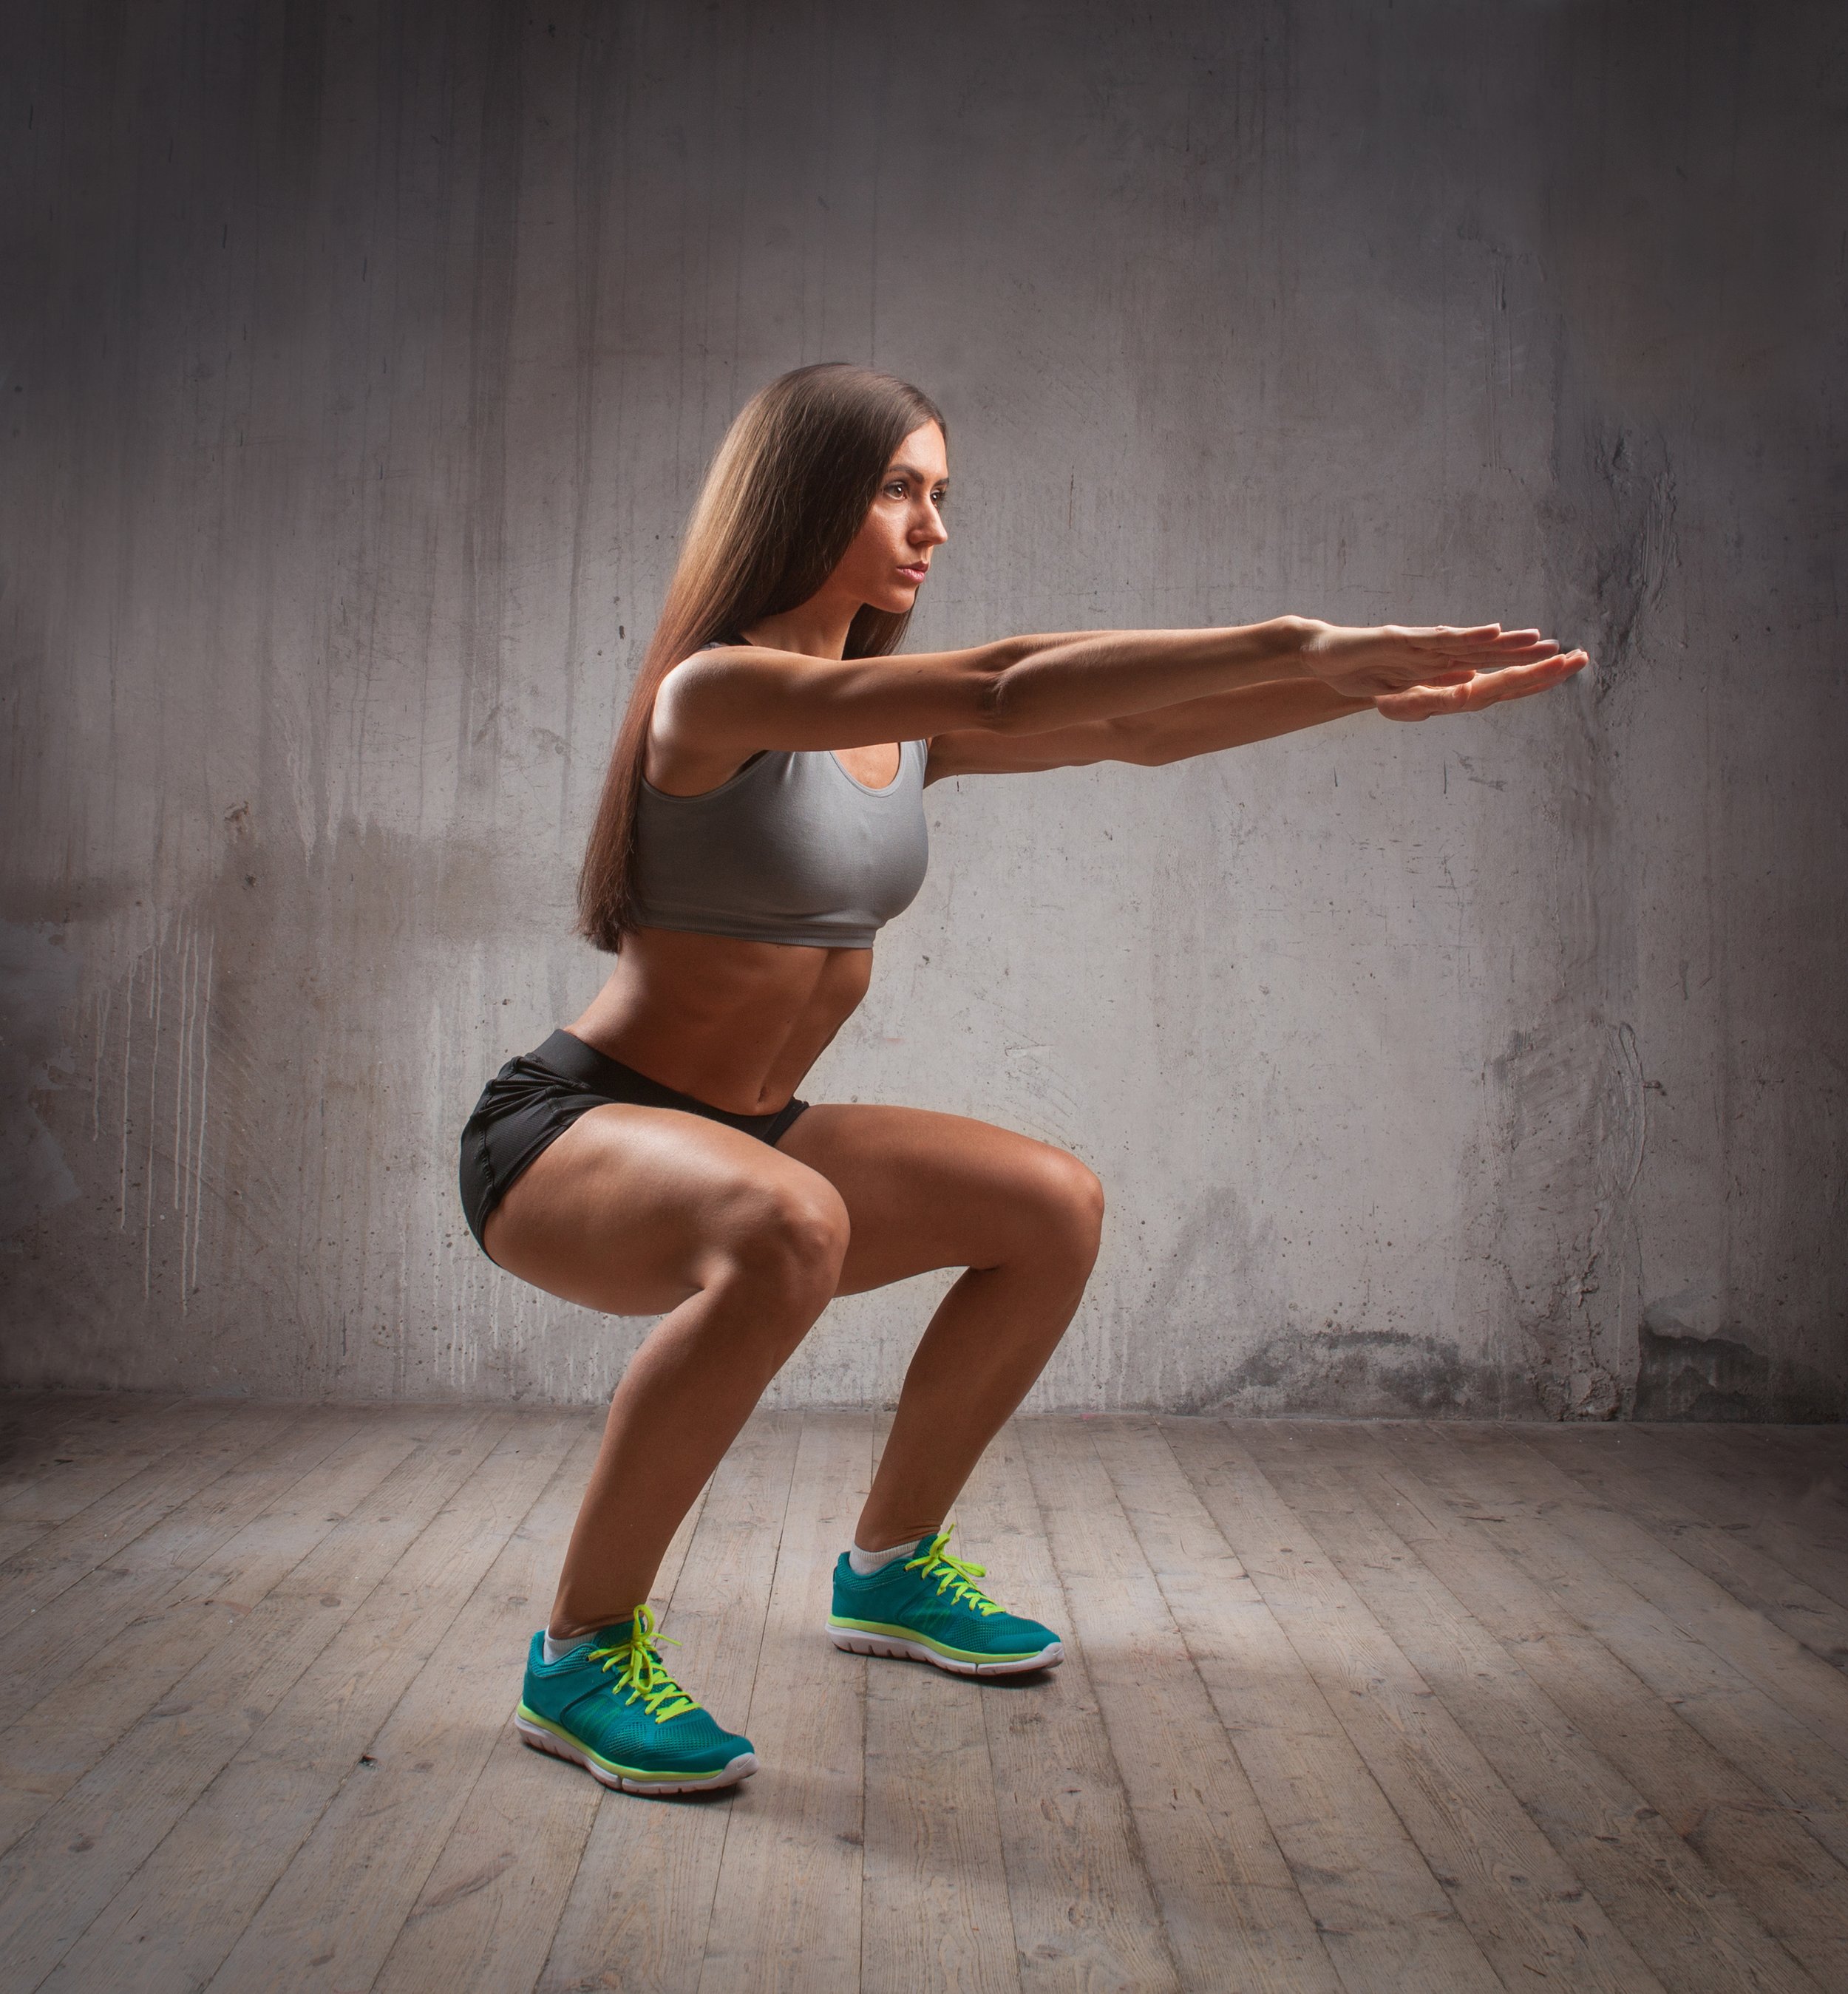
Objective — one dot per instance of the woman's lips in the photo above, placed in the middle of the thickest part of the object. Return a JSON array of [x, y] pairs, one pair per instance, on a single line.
[[916, 571]]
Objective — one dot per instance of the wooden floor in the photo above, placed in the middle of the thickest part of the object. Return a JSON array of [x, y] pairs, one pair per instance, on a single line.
[[1354, 1707]]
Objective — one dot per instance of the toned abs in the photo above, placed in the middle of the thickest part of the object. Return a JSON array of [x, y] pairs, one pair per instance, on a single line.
[[734, 1023]]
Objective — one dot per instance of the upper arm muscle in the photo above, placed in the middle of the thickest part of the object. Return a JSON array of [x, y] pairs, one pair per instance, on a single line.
[[727, 703], [973, 752]]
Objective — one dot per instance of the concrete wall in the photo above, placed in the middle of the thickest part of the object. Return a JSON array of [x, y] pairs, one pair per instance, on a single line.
[[360, 363]]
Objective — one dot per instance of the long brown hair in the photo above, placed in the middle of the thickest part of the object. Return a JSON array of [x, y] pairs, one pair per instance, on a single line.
[[789, 489]]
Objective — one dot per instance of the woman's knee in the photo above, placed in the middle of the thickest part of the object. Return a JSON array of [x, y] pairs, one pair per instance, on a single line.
[[791, 1237], [1070, 1198]]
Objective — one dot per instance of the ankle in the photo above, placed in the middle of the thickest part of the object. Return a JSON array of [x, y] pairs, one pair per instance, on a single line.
[[866, 1560], [575, 1635]]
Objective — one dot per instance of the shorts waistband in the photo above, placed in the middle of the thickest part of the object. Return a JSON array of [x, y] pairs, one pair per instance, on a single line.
[[568, 1056]]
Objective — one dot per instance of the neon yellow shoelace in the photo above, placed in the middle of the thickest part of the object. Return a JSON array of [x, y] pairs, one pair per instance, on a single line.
[[953, 1574], [643, 1677]]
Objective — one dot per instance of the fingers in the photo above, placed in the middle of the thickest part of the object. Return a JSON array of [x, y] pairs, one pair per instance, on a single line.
[[1521, 680], [1547, 671], [1477, 637], [1452, 633], [1497, 658], [1490, 645], [1423, 702], [1513, 682], [1524, 644], [1517, 682], [1484, 637], [1445, 693], [1392, 658]]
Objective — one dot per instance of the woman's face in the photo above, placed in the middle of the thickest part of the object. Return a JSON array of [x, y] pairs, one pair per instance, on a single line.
[[890, 555]]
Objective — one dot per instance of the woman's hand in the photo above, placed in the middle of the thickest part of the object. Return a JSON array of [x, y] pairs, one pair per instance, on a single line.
[[1364, 664], [1480, 689]]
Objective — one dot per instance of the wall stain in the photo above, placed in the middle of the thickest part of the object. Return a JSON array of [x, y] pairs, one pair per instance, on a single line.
[[38, 975], [1362, 1373], [1723, 1377]]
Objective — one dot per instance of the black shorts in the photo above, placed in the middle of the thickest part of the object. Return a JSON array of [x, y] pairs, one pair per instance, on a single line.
[[533, 1100]]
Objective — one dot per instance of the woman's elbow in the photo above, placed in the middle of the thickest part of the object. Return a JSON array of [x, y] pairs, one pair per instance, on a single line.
[[991, 700], [1010, 697]]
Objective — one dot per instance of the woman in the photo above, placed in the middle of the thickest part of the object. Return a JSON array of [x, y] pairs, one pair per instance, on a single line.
[[762, 818]]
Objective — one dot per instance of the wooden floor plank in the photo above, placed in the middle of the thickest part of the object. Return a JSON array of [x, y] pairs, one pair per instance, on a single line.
[[34, 1425], [1691, 1931], [933, 1906], [636, 1914], [129, 1800], [1595, 1575], [33, 1412], [172, 1459], [34, 1429], [131, 1664], [175, 1921], [1816, 1454], [485, 1918], [1232, 1907], [786, 1913], [1522, 1905], [1660, 1495], [1759, 1851], [1801, 1683], [375, 1814], [16, 1536], [934, 1914], [1800, 1473], [1763, 1493], [1084, 1915], [41, 1433], [114, 1448], [137, 1579], [1385, 1919]]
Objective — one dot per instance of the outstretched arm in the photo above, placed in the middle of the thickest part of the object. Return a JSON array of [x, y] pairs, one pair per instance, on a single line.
[[714, 708], [1205, 726], [1150, 740]]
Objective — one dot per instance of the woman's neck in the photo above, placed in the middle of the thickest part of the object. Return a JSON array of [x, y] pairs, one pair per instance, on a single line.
[[816, 629]]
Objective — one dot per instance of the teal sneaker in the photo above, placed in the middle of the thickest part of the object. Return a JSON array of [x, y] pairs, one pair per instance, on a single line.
[[931, 1609], [609, 1706]]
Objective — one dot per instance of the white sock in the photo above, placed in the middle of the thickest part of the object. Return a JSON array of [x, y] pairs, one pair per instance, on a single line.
[[556, 1651], [866, 1563]]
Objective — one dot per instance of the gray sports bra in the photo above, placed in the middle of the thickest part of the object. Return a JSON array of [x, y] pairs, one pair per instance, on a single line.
[[791, 849]]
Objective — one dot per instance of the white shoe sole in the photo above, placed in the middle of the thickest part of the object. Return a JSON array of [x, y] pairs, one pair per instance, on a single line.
[[542, 1740], [852, 1642]]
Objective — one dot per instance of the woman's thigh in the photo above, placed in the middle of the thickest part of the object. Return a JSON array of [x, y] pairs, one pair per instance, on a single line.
[[631, 1210], [923, 1190]]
